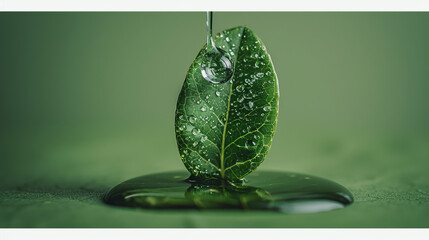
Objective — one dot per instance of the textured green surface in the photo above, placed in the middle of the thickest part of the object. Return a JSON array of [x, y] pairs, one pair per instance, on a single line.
[[88, 99], [225, 131]]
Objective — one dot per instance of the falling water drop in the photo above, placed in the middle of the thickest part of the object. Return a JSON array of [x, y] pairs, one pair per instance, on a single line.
[[216, 65]]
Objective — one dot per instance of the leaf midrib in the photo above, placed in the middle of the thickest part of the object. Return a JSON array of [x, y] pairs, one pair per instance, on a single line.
[[222, 149]]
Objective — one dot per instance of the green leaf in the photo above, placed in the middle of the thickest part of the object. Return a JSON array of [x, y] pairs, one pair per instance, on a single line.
[[225, 131]]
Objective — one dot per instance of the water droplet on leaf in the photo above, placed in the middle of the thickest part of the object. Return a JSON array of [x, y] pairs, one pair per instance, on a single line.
[[192, 119], [249, 144], [195, 131], [250, 104], [216, 65]]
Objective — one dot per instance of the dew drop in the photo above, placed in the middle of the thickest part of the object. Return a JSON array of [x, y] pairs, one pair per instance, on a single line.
[[195, 131], [267, 108], [257, 64], [182, 127], [203, 109], [192, 119], [251, 104], [218, 94], [203, 138], [249, 144]]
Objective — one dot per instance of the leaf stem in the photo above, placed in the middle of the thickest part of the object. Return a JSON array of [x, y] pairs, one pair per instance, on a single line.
[[222, 149]]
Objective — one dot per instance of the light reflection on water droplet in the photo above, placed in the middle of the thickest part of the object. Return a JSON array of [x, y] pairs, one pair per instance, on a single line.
[[216, 64], [240, 88], [195, 131], [192, 119], [249, 144], [267, 108]]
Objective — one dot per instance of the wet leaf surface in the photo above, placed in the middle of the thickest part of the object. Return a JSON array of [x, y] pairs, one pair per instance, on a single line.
[[225, 131]]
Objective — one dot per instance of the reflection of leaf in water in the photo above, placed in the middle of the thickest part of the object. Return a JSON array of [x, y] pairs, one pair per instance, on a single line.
[[225, 195]]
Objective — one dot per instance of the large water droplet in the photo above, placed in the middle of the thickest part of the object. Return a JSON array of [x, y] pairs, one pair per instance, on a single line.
[[217, 66]]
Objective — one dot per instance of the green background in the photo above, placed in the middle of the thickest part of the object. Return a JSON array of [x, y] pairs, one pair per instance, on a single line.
[[87, 101]]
